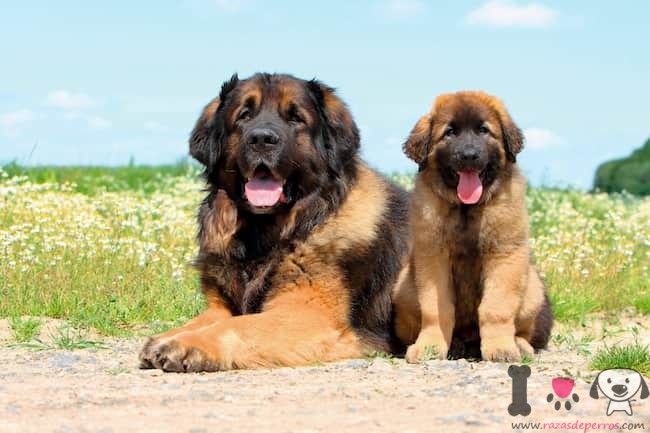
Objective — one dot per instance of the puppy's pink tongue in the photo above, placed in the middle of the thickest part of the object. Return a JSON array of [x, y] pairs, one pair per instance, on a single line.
[[263, 192], [469, 188]]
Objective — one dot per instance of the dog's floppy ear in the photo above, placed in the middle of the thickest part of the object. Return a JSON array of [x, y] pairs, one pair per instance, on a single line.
[[645, 393], [341, 132], [593, 391], [513, 138], [205, 139], [418, 143]]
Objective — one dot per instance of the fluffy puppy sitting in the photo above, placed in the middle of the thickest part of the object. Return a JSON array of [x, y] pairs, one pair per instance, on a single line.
[[471, 289]]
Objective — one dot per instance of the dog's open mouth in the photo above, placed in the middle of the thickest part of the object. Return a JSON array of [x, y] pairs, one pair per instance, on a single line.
[[470, 186], [263, 189]]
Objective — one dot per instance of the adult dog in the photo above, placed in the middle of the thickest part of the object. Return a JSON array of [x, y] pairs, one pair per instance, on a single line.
[[473, 282], [300, 242]]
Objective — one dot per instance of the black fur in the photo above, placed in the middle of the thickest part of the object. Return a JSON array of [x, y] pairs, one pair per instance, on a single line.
[[370, 274], [543, 324]]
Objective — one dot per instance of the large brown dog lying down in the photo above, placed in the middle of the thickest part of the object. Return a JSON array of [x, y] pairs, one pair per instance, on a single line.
[[475, 292], [300, 242]]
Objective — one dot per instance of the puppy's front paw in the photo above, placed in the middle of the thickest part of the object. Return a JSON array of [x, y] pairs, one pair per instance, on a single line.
[[426, 349], [503, 349], [171, 354]]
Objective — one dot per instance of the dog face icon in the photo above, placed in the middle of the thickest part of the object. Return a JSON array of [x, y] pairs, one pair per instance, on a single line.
[[619, 385]]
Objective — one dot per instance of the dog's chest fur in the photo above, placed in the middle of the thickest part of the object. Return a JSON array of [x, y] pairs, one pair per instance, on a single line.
[[466, 250]]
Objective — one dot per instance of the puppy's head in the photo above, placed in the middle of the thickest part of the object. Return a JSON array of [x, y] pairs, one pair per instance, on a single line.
[[619, 384], [270, 140], [467, 143]]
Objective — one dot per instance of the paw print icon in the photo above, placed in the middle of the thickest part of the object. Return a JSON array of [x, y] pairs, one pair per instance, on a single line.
[[562, 393]]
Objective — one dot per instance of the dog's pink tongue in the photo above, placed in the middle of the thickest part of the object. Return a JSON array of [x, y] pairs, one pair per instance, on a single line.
[[469, 188], [263, 192]]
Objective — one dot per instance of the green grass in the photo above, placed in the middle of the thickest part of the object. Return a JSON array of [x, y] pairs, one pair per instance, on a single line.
[[526, 360], [65, 338], [110, 247], [430, 353], [570, 342], [95, 180], [24, 329], [382, 355], [635, 356]]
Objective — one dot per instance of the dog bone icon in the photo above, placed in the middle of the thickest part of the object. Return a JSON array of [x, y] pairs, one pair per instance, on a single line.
[[519, 375]]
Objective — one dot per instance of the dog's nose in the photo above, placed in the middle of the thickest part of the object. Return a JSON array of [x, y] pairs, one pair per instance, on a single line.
[[469, 154], [263, 137], [619, 389]]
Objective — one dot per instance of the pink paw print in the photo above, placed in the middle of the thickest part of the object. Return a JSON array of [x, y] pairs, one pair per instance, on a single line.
[[562, 387]]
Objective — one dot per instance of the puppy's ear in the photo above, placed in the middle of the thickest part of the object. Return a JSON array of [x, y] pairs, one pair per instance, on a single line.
[[341, 132], [418, 144], [205, 140], [513, 138], [645, 393], [593, 391]]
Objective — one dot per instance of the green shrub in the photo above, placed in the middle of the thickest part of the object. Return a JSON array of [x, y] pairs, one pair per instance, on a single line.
[[631, 174]]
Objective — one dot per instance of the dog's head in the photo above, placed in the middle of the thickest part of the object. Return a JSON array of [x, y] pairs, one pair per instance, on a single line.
[[270, 140], [468, 142], [619, 384]]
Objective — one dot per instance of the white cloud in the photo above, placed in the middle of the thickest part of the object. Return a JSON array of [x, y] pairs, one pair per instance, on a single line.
[[70, 100], [403, 8], [16, 118], [92, 121], [97, 122], [153, 126], [538, 138], [230, 5], [393, 141], [499, 13]]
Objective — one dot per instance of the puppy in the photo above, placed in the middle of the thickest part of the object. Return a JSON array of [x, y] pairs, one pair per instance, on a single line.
[[470, 286], [619, 385]]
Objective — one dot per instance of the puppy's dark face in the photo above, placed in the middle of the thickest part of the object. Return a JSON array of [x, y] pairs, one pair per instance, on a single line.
[[272, 140], [467, 142]]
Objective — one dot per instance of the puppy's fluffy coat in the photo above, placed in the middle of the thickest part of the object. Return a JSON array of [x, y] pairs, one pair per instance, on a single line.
[[471, 290]]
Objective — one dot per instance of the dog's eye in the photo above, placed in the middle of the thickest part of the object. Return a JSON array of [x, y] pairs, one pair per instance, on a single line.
[[627, 380], [449, 131], [483, 129], [294, 116], [244, 114], [609, 380]]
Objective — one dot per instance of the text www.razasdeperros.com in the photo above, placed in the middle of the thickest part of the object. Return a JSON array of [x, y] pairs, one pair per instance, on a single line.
[[577, 426]]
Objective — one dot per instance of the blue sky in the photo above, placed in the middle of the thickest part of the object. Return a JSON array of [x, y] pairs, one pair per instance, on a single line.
[[98, 82]]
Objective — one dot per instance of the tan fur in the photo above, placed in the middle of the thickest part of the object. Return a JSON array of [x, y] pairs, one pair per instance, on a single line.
[[210, 109], [358, 215], [222, 226], [431, 303]]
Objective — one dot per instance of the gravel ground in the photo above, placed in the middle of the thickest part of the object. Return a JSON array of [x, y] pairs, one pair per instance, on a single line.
[[103, 391]]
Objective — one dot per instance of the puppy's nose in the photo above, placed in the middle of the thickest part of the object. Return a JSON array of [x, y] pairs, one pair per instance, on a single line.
[[619, 389], [469, 154], [263, 137]]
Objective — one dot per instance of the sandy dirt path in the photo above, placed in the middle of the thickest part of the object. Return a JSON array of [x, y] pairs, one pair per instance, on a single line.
[[104, 391]]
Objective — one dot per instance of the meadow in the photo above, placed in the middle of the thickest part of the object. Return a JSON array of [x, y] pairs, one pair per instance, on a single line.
[[111, 248]]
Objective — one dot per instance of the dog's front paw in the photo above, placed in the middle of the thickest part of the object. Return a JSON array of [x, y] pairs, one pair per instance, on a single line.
[[425, 350], [171, 354], [502, 349]]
